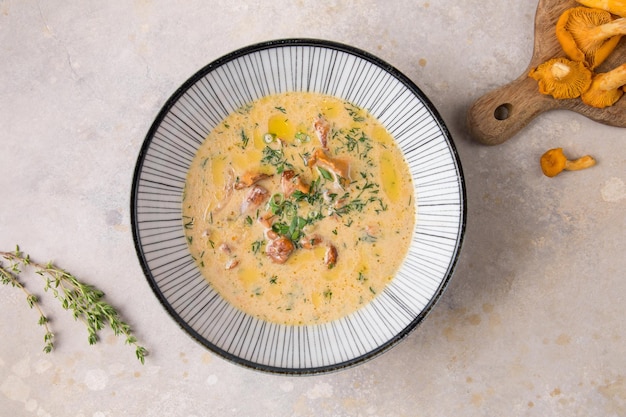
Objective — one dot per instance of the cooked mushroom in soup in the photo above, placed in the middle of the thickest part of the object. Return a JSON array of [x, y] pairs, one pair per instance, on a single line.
[[298, 208]]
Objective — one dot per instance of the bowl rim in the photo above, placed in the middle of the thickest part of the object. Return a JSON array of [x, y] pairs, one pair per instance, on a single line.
[[359, 53]]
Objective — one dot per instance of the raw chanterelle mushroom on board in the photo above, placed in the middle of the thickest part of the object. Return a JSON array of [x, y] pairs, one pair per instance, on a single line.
[[500, 114]]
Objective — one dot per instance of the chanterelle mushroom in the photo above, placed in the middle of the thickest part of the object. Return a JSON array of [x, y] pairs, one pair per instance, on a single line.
[[617, 7], [562, 78], [606, 88], [554, 161], [589, 35]]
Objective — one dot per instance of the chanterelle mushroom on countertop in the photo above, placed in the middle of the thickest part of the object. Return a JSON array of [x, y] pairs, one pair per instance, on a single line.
[[617, 7], [606, 88], [562, 78], [554, 161], [589, 35]]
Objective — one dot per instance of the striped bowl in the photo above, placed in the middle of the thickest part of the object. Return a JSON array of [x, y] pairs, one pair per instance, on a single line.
[[244, 76]]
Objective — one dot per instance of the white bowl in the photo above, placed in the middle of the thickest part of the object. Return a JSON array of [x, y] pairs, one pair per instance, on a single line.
[[246, 75]]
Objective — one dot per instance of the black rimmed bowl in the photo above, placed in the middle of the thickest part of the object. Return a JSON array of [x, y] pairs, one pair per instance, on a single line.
[[244, 76]]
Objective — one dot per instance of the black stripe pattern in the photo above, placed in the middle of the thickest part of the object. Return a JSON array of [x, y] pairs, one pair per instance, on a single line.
[[275, 67]]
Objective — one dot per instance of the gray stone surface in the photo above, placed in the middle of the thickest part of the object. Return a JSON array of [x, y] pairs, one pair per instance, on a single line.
[[532, 323]]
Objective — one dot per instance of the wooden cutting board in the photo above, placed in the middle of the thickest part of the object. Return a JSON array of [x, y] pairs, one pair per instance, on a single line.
[[501, 113]]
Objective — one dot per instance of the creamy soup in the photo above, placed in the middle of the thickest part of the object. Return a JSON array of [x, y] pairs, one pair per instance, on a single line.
[[299, 208]]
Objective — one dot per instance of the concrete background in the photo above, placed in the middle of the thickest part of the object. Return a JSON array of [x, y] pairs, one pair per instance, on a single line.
[[532, 323]]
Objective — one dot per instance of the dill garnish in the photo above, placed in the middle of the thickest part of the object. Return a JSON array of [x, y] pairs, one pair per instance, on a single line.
[[275, 158], [244, 139], [354, 112], [355, 141], [256, 246]]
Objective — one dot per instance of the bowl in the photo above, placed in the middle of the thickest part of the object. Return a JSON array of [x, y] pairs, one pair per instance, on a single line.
[[248, 74]]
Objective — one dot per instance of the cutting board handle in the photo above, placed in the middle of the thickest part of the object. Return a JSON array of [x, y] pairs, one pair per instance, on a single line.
[[500, 114]]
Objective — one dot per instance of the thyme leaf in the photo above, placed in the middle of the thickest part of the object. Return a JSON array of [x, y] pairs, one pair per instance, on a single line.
[[85, 301]]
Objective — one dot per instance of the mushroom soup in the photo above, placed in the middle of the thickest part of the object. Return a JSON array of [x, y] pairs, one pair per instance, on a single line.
[[298, 208]]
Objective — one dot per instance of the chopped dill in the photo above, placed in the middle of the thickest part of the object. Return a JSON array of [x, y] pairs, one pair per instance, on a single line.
[[189, 223], [275, 158], [244, 139], [256, 246], [354, 112]]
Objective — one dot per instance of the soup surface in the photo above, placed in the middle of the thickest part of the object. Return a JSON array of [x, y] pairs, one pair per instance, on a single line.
[[298, 208]]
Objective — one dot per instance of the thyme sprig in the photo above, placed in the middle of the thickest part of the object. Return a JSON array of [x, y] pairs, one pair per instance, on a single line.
[[84, 300]]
